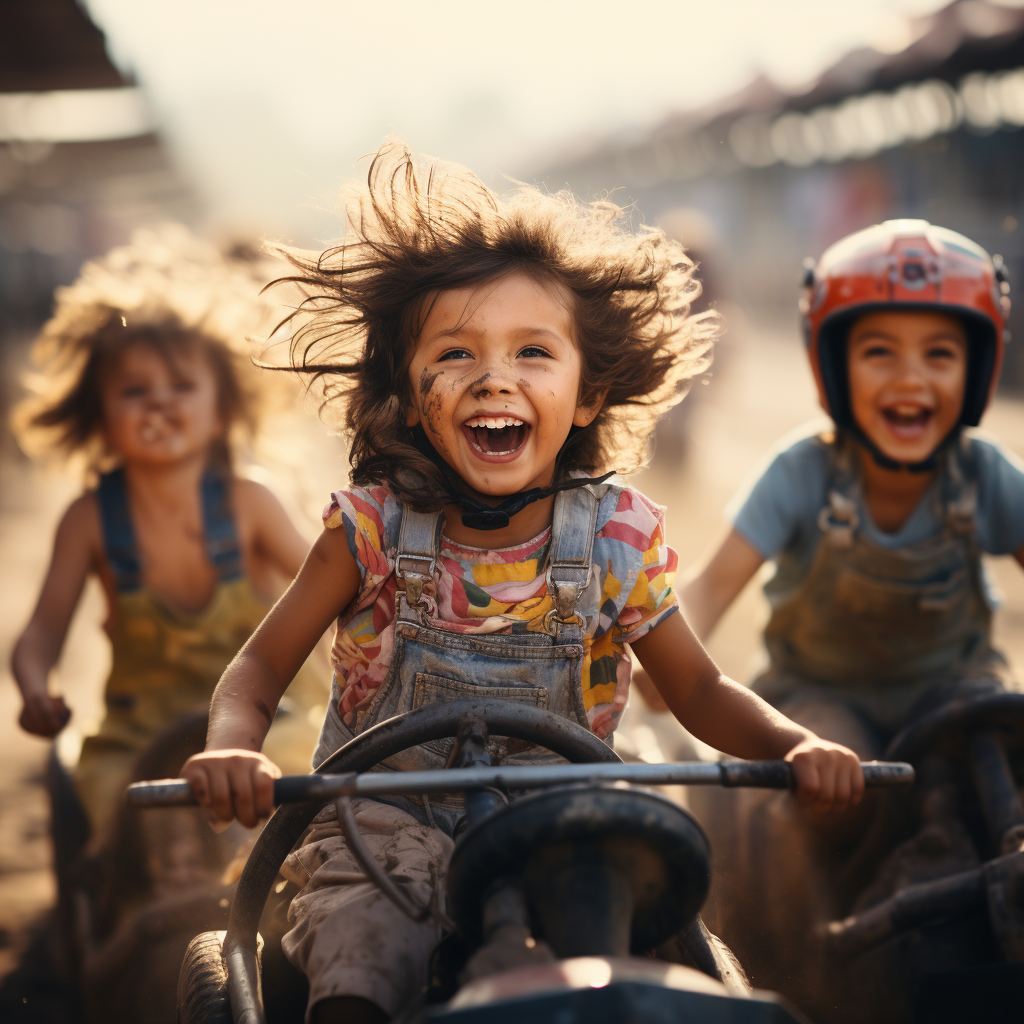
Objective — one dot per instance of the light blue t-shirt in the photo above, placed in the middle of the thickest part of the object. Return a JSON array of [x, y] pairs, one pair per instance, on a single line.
[[778, 513]]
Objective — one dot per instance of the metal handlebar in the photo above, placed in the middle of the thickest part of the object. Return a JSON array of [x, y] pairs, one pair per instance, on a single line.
[[321, 788]]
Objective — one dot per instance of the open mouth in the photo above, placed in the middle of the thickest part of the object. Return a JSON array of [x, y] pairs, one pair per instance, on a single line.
[[496, 435], [908, 421], [154, 427]]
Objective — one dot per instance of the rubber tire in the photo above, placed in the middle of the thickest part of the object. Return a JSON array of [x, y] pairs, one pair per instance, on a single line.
[[203, 982]]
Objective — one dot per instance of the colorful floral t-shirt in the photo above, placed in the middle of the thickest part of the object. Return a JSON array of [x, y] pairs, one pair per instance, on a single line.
[[503, 590]]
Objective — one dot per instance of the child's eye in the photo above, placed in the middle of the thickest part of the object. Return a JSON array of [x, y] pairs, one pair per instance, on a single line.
[[942, 352], [875, 352], [534, 352], [184, 385], [133, 391], [455, 353]]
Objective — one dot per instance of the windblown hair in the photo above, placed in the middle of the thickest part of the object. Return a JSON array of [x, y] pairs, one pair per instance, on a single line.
[[166, 288], [419, 227]]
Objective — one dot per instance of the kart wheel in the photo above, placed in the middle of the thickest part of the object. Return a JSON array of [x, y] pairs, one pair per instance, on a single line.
[[203, 982]]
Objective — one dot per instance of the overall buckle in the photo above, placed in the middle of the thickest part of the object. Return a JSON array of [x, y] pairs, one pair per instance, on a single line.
[[566, 595], [414, 580], [839, 520]]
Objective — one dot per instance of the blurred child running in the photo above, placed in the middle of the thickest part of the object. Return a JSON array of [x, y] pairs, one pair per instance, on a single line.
[[491, 355], [143, 371]]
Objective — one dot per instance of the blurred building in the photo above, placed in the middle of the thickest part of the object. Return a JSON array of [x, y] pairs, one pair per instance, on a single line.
[[80, 162], [926, 125]]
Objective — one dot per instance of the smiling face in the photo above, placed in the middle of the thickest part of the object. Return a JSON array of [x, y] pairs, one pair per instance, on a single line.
[[158, 412], [495, 380], [907, 372]]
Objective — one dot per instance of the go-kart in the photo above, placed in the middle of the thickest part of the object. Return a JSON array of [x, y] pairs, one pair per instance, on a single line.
[[130, 902], [921, 916], [940, 929], [572, 894]]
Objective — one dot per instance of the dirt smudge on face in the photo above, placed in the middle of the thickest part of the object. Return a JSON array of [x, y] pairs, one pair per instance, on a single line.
[[427, 381], [430, 411], [431, 415], [475, 387]]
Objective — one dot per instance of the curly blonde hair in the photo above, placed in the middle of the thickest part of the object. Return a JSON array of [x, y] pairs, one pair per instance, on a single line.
[[420, 226], [167, 288]]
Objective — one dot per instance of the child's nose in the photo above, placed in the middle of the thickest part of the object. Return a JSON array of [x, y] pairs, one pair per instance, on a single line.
[[910, 374], [496, 379]]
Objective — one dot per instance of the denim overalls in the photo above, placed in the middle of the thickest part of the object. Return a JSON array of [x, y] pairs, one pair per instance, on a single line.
[[166, 661], [877, 628], [430, 664], [347, 937], [868, 640]]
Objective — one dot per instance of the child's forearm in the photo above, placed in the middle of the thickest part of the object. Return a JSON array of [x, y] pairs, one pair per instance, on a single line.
[[735, 720], [244, 703], [713, 707], [706, 597], [34, 655], [252, 685]]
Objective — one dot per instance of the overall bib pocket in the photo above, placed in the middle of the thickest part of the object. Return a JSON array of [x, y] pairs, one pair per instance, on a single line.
[[434, 689]]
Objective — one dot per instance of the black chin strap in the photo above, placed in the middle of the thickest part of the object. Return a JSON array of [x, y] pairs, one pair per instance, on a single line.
[[881, 459], [478, 515]]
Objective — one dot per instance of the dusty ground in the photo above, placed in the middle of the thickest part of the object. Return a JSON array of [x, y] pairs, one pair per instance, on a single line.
[[759, 391]]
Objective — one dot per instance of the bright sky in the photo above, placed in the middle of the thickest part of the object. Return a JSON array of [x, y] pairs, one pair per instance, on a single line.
[[268, 105]]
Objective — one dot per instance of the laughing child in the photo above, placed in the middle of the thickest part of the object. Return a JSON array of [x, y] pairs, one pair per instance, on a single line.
[[880, 612], [491, 355], [145, 373]]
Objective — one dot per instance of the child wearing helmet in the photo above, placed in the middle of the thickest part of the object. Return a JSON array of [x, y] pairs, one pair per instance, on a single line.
[[878, 601], [496, 356], [879, 606]]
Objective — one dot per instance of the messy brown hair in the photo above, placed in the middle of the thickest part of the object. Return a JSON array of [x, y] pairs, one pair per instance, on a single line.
[[167, 289], [421, 226]]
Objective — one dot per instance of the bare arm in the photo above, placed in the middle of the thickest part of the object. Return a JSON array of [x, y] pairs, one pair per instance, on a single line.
[[39, 646], [713, 707], [735, 720], [1019, 555], [274, 533], [707, 596], [231, 776]]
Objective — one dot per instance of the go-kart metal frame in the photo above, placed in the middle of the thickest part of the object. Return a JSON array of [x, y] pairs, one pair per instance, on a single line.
[[347, 772]]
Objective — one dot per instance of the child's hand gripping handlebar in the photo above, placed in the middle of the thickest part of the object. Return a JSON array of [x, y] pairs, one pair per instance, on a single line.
[[302, 788]]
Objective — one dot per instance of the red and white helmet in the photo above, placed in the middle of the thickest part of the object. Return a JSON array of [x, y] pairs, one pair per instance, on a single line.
[[905, 264]]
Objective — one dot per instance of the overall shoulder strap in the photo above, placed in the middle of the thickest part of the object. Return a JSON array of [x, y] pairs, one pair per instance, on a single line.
[[419, 541], [570, 565], [118, 533], [839, 519], [960, 487], [219, 525]]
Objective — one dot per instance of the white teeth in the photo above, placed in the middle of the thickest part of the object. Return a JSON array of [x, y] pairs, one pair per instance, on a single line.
[[479, 449], [494, 422]]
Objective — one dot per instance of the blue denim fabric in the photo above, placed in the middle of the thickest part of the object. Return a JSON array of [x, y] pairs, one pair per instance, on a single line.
[[879, 626], [429, 665]]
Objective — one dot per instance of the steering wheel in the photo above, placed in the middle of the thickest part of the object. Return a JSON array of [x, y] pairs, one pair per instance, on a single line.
[[985, 734], [948, 730], [433, 722]]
